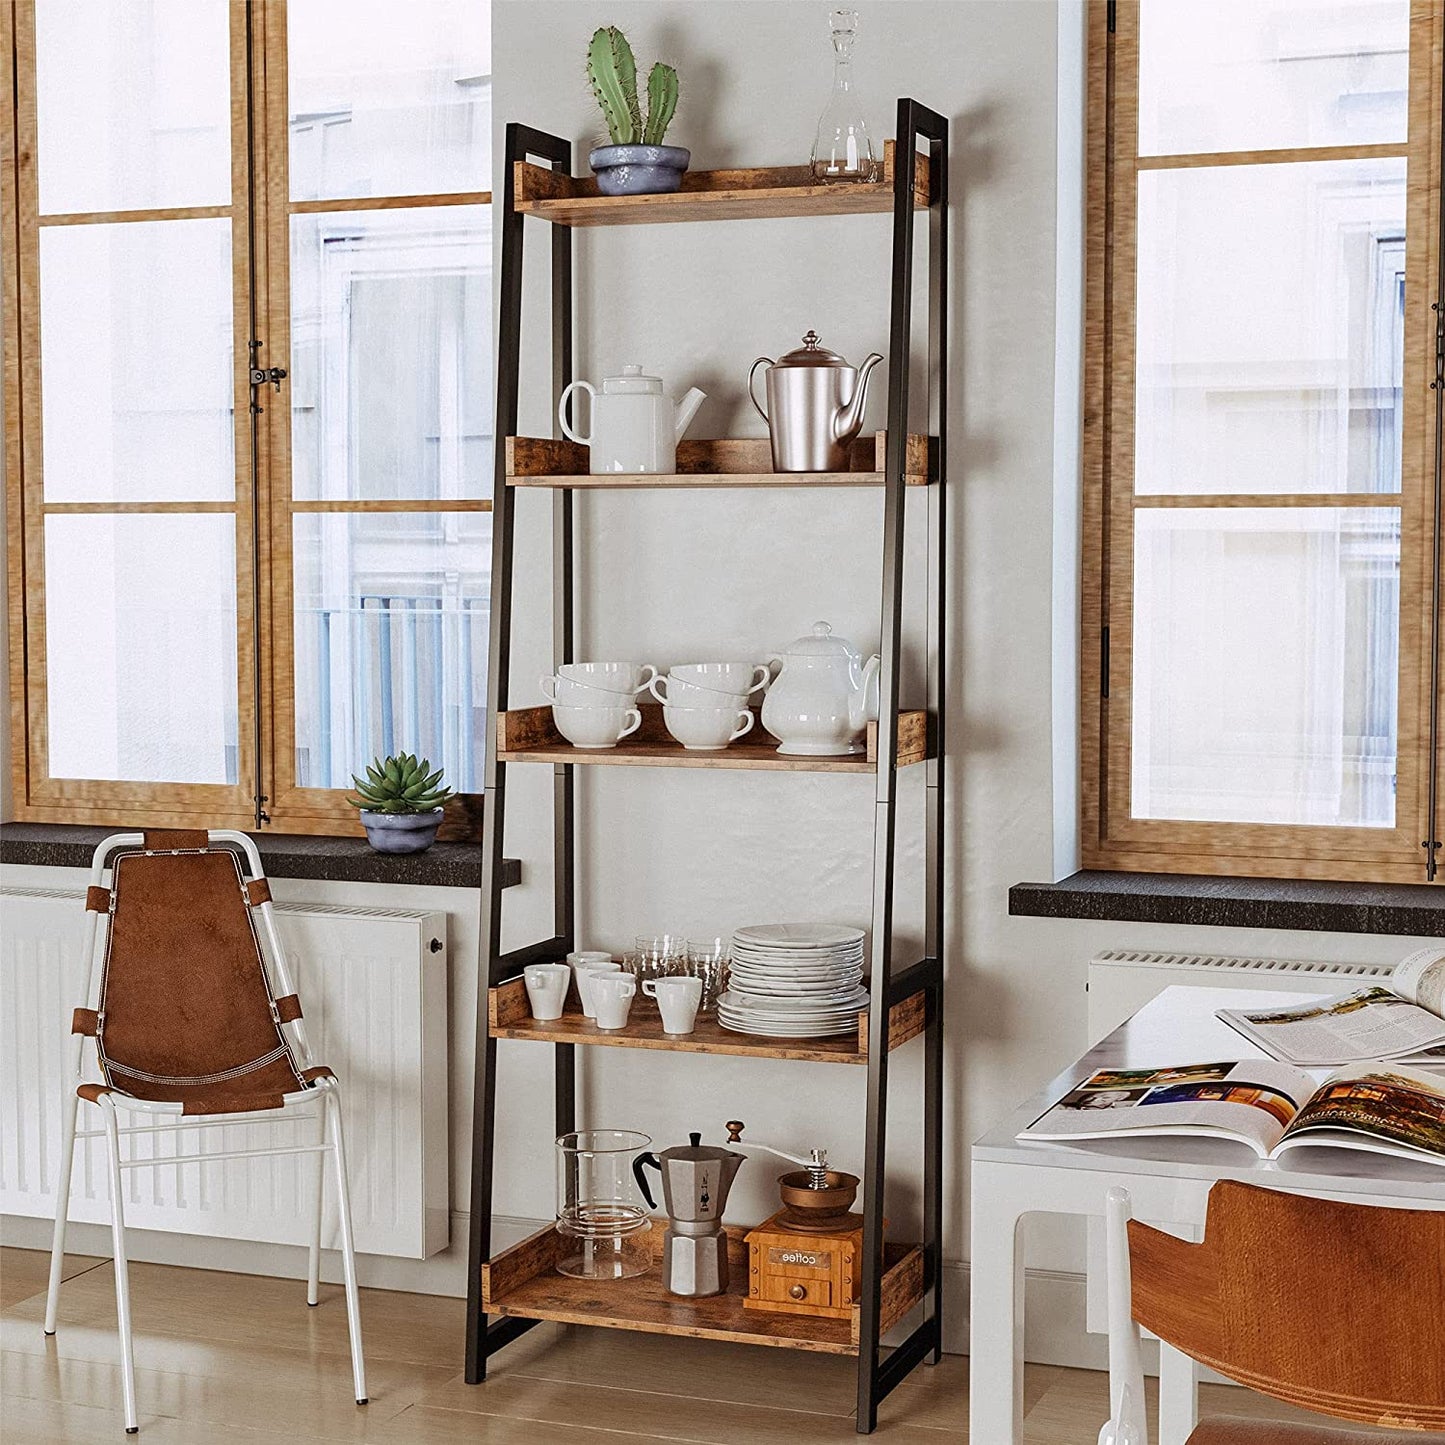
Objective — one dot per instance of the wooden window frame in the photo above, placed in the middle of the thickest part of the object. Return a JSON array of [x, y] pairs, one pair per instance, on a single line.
[[265, 795], [1111, 838]]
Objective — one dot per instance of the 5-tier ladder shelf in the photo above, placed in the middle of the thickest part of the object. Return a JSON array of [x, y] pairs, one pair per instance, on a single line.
[[511, 1291]]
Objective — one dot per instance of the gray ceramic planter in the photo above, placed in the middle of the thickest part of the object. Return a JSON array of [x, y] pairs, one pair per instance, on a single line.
[[401, 832], [638, 170]]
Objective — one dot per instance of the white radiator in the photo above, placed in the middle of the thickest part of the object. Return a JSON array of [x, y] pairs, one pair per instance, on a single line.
[[373, 982], [1122, 981]]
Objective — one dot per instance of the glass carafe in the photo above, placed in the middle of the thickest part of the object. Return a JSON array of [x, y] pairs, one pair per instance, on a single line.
[[599, 1209], [842, 150]]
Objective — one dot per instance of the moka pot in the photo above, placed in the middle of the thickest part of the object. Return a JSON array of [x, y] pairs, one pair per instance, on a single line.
[[696, 1178]]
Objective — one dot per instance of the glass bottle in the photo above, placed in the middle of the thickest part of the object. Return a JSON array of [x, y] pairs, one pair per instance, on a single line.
[[842, 150]]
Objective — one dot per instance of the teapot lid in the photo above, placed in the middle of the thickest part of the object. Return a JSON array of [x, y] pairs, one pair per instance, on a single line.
[[696, 1150], [632, 381], [821, 643], [811, 353]]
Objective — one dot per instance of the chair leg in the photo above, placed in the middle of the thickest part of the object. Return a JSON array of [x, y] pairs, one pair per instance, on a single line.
[[348, 1249], [62, 1210], [313, 1266], [122, 1269]]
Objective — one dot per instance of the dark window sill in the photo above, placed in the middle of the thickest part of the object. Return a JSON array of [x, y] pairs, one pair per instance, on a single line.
[[1414, 910], [284, 855]]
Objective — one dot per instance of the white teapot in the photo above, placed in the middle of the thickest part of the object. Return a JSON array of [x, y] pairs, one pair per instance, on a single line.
[[635, 425], [824, 698]]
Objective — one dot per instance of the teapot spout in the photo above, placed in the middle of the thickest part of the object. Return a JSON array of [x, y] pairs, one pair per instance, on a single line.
[[863, 704], [850, 417], [687, 409]]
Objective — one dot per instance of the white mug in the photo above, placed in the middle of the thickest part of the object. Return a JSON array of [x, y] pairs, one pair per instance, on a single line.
[[571, 693], [547, 988], [585, 972], [612, 676], [612, 998], [678, 999], [706, 729], [595, 727]]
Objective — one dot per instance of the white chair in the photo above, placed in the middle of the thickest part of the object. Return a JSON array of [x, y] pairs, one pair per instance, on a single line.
[[194, 1025]]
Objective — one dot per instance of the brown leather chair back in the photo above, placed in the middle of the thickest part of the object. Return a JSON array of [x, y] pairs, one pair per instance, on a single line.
[[186, 1012], [1338, 1308]]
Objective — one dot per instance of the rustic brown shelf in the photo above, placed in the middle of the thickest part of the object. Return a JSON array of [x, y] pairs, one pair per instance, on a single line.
[[729, 195], [720, 462], [510, 1018], [524, 1281], [528, 735]]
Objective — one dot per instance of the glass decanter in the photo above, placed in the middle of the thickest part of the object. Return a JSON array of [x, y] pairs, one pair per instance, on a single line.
[[842, 150]]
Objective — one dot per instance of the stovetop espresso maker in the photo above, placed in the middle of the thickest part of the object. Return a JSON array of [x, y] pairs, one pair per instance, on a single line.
[[696, 1178]]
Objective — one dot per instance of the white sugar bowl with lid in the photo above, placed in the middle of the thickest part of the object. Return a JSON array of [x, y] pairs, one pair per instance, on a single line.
[[824, 697], [636, 425]]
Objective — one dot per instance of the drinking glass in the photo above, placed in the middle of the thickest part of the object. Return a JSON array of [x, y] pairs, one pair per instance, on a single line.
[[656, 955], [707, 959]]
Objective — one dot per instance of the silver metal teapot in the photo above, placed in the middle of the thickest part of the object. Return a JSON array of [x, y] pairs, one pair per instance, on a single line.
[[815, 406]]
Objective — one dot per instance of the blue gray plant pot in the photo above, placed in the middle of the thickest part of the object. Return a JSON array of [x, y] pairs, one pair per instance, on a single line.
[[638, 170], [401, 832]]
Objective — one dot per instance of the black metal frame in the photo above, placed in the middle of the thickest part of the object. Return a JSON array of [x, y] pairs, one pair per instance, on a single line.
[[876, 1375]]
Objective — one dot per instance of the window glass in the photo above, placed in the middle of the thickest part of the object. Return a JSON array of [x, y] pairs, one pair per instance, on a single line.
[[1265, 664], [1223, 75], [391, 642], [140, 632], [133, 104]]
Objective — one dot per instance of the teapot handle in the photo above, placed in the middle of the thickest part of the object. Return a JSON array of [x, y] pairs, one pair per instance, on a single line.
[[562, 410], [752, 370]]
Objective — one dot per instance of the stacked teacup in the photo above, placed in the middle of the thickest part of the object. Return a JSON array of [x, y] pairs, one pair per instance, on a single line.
[[705, 704], [594, 703]]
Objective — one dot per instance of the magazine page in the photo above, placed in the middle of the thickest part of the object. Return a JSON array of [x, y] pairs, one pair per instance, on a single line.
[[1252, 1101], [1420, 978], [1387, 1108], [1355, 1028]]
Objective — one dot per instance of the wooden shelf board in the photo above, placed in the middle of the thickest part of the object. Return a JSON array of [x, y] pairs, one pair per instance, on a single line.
[[510, 1018], [716, 462], [528, 735], [524, 1282], [727, 195]]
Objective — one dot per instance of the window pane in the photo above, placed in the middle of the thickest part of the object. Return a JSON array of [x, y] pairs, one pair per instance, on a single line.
[[1265, 664], [391, 354], [133, 104], [1217, 75], [140, 623], [1271, 328], [391, 642], [389, 99], [137, 358]]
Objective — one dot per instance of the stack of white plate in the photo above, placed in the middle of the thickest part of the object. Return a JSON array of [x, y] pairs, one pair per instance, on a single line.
[[794, 981]]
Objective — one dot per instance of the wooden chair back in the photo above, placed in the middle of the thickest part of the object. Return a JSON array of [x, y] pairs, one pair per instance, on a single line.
[[1338, 1308]]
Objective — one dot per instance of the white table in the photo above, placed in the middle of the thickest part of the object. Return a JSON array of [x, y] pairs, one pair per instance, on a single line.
[[1167, 1179]]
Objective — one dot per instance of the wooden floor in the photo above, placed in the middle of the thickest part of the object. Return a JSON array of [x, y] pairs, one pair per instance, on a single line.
[[226, 1358]]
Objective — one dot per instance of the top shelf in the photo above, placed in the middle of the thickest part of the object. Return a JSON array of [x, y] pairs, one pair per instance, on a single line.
[[737, 195]]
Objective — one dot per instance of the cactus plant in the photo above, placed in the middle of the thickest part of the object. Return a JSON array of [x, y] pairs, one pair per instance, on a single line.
[[612, 70], [399, 784], [662, 91]]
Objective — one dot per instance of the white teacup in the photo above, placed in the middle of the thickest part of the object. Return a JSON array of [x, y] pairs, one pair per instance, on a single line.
[[584, 973], [629, 677], [678, 999], [571, 693], [595, 727], [706, 729], [612, 995], [737, 678], [547, 988]]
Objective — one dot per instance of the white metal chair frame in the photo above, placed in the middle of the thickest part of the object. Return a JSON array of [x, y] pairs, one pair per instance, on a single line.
[[1127, 1423], [324, 1091]]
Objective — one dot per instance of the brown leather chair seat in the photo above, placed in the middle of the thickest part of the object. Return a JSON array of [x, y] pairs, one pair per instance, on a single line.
[[1231, 1430]]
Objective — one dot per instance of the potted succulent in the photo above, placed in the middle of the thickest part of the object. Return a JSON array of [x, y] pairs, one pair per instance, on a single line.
[[636, 163], [401, 803]]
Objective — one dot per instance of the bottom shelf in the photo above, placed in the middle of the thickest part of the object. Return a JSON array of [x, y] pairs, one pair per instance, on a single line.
[[523, 1281]]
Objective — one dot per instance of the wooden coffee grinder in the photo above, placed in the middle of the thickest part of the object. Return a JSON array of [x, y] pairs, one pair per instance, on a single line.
[[806, 1258]]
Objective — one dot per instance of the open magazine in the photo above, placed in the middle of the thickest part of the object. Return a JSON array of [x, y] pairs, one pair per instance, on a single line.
[[1404, 1021], [1271, 1107]]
